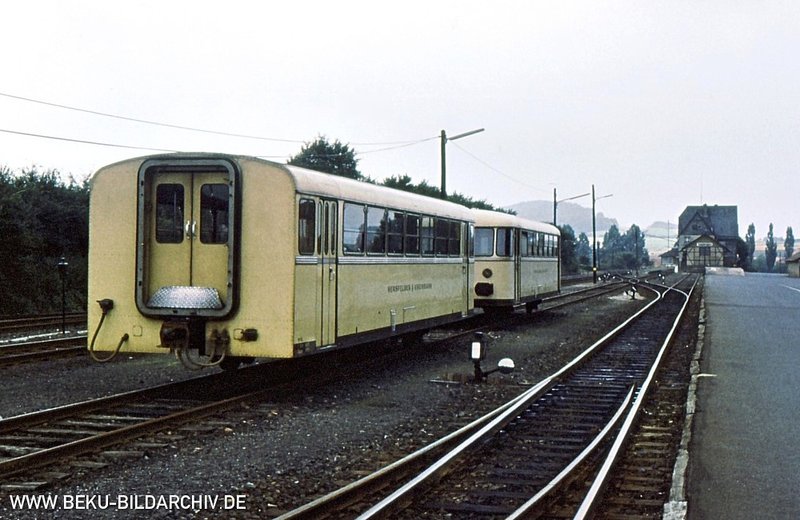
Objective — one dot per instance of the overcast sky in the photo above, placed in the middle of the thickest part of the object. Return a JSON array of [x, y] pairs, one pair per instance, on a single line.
[[662, 104]]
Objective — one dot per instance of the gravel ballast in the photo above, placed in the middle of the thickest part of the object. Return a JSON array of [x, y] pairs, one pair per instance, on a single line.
[[278, 454]]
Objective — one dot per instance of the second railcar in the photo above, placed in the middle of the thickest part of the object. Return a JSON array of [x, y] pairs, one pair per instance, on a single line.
[[236, 257], [516, 261]]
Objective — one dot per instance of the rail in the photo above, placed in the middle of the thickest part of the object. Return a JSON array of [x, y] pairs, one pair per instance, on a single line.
[[15, 324], [589, 371], [20, 352]]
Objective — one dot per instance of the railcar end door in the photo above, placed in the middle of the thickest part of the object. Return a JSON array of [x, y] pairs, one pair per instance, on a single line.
[[186, 242]]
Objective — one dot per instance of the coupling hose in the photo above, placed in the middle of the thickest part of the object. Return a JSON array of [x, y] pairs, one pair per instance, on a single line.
[[105, 305]]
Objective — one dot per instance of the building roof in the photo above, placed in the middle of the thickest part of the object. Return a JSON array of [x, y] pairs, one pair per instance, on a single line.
[[719, 221]]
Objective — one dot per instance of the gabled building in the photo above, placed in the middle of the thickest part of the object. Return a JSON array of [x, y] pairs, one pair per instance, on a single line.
[[708, 236], [793, 265]]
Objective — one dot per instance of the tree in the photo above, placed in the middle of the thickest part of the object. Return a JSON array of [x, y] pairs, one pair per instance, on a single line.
[[569, 260], [626, 251], [772, 249], [743, 255], [788, 244], [750, 240], [322, 156], [610, 255], [404, 182], [583, 250], [42, 219], [634, 250]]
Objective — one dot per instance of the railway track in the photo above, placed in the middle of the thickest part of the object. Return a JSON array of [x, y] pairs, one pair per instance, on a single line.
[[32, 444], [581, 295], [44, 439], [40, 439], [22, 352], [12, 325], [519, 460]]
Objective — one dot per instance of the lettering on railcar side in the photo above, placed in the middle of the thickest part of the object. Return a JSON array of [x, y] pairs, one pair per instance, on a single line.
[[409, 287]]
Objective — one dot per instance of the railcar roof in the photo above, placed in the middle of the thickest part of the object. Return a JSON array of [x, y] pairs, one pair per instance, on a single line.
[[487, 218], [323, 184]]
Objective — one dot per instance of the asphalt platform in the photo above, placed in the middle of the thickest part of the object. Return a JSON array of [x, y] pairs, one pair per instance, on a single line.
[[741, 453]]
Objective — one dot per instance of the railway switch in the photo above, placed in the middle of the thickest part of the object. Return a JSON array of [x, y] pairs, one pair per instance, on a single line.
[[477, 353]]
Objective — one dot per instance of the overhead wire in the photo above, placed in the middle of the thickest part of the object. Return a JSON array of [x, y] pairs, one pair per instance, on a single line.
[[496, 170], [400, 144], [145, 121], [84, 141], [404, 145], [392, 145]]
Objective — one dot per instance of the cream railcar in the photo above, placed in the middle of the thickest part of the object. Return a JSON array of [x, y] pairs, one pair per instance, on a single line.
[[220, 255], [516, 261]]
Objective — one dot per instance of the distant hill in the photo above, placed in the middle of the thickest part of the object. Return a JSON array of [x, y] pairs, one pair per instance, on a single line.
[[575, 215], [660, 236]]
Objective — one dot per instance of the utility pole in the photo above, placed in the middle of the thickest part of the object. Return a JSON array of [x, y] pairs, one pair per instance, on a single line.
[[594, 233], [443, 193], [594, 240]]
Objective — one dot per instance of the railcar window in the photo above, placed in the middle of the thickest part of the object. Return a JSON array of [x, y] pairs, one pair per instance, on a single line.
[[214, 214], [306, 226], [484, 241], [442, 235], [525, 243], [540, 246], [353, 232], [427, 236], [376, 230], [505, 242], [454, 242], [396, 224], [322, 224], [471, 240], [332, 228], [555, 246], [169, 213], [412, 235]]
